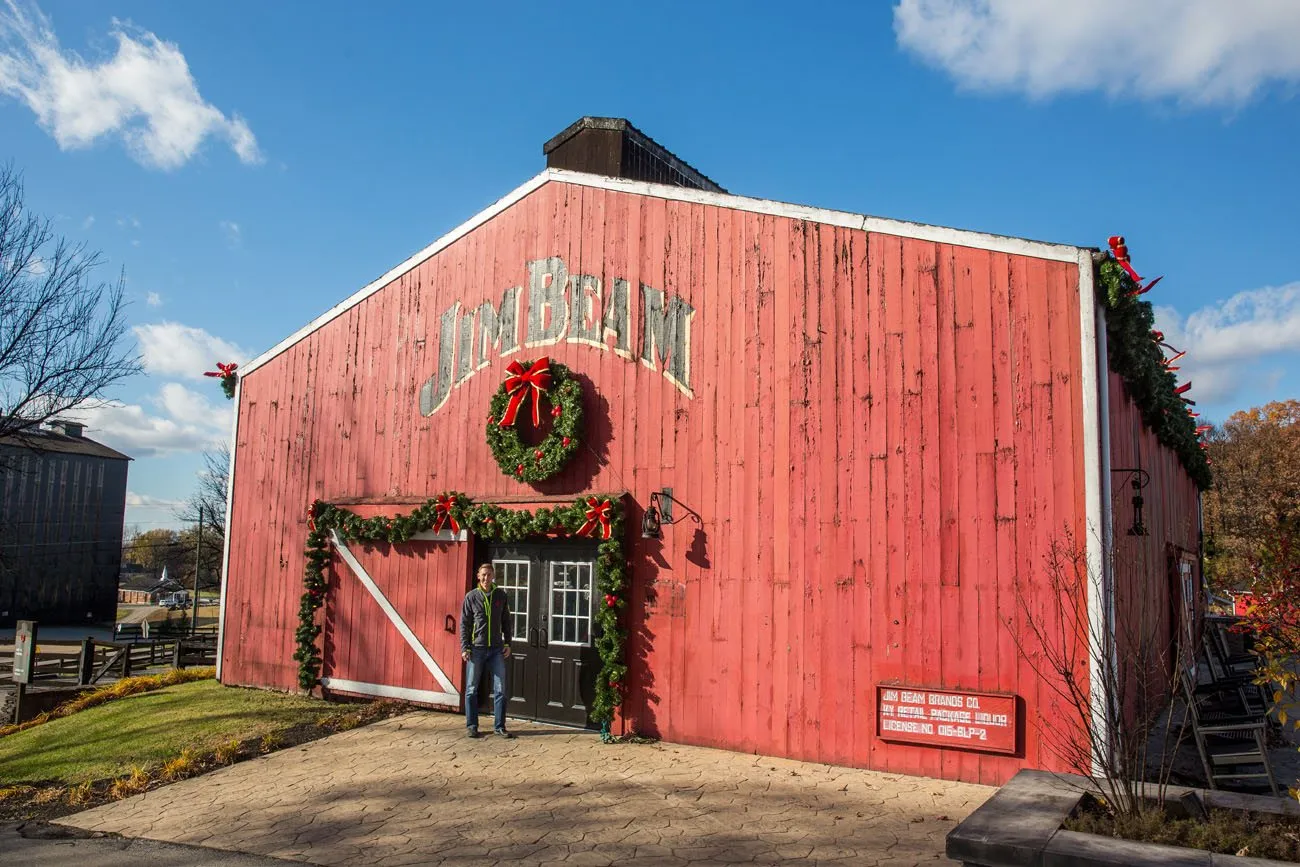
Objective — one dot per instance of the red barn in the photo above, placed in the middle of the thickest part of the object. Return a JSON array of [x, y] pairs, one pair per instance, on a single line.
[[863, 439]]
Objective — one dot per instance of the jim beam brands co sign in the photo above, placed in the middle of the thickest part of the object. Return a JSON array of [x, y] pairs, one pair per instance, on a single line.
[[560, 307], [945, 718]]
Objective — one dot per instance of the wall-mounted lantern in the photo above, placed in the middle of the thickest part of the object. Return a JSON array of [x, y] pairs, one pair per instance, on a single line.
[[660, 512], [1141, 478]]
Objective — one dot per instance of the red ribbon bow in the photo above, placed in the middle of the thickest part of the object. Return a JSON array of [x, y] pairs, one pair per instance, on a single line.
[[524, 383], [311, 518], [445, 516], [223, 370], [598, 514], [1120, 251]]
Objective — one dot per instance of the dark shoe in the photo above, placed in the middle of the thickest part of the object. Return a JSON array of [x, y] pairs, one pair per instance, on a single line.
[[471, 733], [502, 733]]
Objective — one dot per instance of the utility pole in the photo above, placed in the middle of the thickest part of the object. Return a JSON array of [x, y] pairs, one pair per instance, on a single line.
[[198, 559]]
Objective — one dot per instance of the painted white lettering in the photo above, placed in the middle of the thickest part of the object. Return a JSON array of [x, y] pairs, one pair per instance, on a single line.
[[548, 315], [666, 336], [584, 302]]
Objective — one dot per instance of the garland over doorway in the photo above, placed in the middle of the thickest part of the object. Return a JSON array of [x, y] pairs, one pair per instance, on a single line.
[[598, 517]]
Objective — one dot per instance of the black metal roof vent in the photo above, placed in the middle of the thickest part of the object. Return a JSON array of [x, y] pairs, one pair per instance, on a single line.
[[611, 146]]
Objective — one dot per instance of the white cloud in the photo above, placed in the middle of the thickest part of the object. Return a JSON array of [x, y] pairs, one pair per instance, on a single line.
[[148, 501], [145, 94], [232, 232], [188, 421], [1227, 342], [128, 222], [153, 299], [172, 349], [1196, 51], [88, 222]]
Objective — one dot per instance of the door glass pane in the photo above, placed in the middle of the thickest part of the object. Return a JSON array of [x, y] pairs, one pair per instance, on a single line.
[[512, 576], [571, 589]]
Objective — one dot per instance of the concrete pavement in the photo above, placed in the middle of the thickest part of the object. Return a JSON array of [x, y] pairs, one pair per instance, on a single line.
[[413, 790], [36, 844]]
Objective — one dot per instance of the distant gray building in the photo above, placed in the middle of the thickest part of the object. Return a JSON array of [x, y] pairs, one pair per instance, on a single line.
[[62, 503]]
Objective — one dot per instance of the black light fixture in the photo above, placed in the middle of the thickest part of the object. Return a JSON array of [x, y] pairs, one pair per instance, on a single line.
[[1141, 478], [650, 527], [660, 512]]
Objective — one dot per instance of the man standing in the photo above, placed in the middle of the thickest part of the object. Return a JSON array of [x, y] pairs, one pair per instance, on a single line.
[[486, 628]]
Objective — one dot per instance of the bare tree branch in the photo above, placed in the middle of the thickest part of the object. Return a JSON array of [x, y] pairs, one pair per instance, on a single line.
[[62, 335], [210, 495]]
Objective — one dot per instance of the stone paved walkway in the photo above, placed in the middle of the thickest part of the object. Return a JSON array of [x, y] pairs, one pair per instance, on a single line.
[[414, 790]]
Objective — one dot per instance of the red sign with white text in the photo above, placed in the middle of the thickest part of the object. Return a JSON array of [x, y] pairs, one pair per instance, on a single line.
[[945, 718]]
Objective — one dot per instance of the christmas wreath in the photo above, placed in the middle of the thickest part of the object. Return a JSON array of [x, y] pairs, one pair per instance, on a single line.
[[529, 382]]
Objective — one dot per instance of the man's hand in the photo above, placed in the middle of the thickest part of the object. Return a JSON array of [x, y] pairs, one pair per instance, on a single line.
[[505, 651], [464, 654]]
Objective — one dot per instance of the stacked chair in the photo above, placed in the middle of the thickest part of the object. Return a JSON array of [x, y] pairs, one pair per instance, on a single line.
[[1227, 711]]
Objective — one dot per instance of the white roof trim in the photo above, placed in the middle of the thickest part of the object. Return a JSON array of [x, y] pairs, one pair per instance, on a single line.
[[901, 228]]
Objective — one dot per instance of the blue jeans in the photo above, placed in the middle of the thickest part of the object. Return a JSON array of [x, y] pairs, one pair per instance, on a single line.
[[496, 663]]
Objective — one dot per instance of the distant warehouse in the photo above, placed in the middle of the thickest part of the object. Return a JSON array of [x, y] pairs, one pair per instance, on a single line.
[[62, 501]]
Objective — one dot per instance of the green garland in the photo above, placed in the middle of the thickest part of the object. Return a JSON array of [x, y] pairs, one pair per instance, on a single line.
[[486, 521], [530, 463], [1136, 356]]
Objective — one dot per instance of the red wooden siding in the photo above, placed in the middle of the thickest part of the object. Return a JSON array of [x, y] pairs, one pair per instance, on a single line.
[[1147, 598], [883, 444], [425, 582]]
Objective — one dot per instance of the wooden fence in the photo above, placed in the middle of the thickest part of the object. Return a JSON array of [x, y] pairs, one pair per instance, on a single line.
[[97, 660]]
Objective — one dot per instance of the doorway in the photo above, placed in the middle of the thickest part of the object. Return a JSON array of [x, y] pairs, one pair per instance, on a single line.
[[551, 673]]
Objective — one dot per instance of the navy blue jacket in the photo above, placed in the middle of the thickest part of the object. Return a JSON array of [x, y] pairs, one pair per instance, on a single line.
[[484, 625]]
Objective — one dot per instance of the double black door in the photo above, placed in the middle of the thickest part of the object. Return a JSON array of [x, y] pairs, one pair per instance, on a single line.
[[553, 664]]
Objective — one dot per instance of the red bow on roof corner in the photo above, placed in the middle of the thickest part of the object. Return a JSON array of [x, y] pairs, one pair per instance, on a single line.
[[228, 377], [223, 370], [522, 384], [1120, 251]]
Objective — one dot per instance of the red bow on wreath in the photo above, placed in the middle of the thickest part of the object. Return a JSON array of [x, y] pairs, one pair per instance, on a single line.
[[223, 370], [445, 516], [598, 514], [311, 518], [523, 383]]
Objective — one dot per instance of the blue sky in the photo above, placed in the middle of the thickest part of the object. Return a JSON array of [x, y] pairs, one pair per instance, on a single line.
[[249, 165]]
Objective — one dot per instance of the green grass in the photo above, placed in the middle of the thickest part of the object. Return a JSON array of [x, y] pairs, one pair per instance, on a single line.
[[140, 730]]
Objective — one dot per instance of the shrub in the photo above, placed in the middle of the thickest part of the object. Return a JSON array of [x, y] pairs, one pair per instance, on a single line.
[[227, 752], [125, 787], [180, 767]]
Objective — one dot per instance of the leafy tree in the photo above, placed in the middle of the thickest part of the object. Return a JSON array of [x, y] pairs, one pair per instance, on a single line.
[[154, 550], [1255, 457], [178, 551], [1273, 620], [208, 557], [62, 335]]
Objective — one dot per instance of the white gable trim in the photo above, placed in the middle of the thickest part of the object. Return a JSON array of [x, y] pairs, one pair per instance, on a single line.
[[901, 228], [225, 547], [844, 219], [374, 286]]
